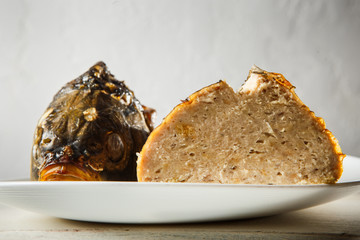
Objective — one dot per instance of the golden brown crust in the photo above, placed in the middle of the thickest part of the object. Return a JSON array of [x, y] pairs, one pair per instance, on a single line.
[[147, 168], [142, 161], [279, 78]]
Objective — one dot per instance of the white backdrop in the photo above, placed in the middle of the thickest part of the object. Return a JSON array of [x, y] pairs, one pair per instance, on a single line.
[[165, 50]]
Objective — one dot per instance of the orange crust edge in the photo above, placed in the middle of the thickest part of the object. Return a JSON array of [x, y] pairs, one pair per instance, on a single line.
[[279, 78], [191, 99]]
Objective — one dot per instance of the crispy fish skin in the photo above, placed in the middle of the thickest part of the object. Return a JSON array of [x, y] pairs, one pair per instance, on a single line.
[[91, 130]]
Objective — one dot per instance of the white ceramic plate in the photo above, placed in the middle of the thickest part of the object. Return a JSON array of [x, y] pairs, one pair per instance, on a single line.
[[132, 202]]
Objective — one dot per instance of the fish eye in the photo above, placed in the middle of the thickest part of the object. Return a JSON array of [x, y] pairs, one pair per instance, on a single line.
[[115, 147]]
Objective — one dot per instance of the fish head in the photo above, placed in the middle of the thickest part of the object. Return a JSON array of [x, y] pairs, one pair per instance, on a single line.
[[91, 131]]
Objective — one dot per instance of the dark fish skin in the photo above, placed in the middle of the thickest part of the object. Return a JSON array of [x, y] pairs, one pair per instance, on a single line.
[[91, 130]]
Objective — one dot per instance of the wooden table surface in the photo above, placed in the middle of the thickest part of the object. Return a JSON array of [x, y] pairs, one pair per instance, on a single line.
[[336, 220]]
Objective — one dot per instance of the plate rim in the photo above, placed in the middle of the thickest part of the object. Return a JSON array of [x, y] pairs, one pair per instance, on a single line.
[[28, 182], [131, 183], [12, 193]]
